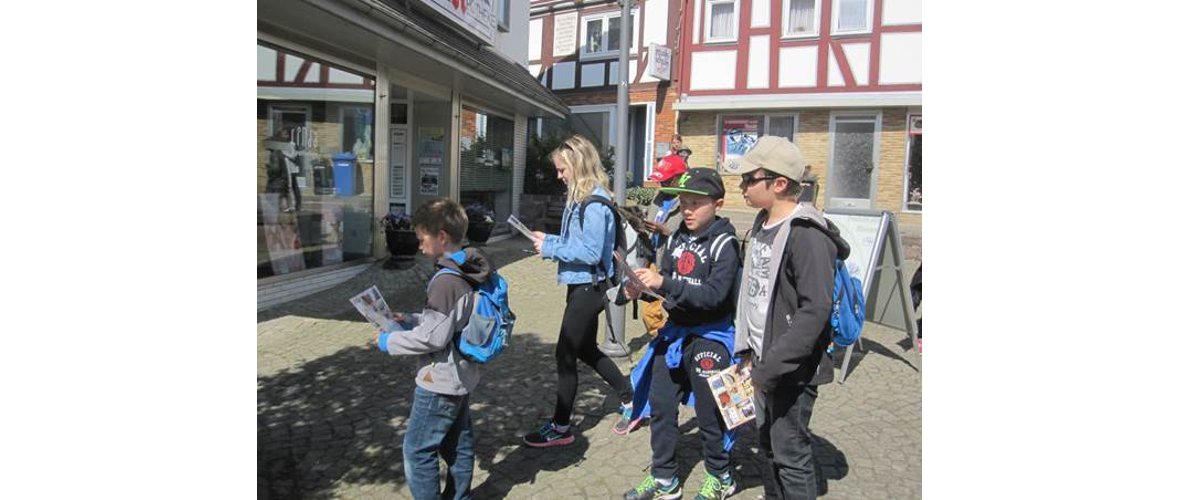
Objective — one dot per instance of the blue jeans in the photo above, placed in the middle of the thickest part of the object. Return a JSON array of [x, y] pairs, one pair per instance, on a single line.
[[439, 425]]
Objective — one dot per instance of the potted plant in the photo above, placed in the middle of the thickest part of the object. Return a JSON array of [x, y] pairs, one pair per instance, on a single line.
[[399, 236], [480, 221]]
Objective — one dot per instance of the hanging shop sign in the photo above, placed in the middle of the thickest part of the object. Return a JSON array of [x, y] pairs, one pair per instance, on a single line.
[[474, 16]]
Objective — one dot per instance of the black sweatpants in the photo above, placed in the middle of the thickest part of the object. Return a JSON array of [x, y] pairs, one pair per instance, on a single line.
[[578, 341], [784, 419], [700, 359]]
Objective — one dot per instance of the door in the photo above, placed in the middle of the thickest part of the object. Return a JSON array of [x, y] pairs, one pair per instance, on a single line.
[[853, 161]]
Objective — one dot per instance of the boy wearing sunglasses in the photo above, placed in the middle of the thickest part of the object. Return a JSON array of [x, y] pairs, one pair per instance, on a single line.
[[784, 309]]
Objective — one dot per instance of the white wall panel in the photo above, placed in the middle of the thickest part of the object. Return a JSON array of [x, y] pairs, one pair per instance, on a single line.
[[698, 6], [655, 22], [901, 58], [760, 13], [614, 73], [593, 74], [835, 76], [714, 70], [758, 76], [797, 66], [267, 63], [337, 76], [291, 67], [901, 12], [536, 29], [313, 74], [857, 55], [563, 75]]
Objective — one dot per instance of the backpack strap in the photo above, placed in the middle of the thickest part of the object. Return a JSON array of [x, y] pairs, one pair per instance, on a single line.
[[470, 301], [619, 243]]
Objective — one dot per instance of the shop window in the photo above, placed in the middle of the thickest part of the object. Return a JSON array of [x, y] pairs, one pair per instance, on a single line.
[[801, 18], [913, 173], [721, 18], [486, 163], [852, 16], [314, 164]]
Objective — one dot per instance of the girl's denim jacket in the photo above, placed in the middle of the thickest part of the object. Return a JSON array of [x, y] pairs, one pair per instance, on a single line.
[[583, 251]]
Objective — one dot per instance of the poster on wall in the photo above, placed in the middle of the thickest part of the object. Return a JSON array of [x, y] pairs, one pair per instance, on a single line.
[[397, 164], [739, 135], [431, 144], [282, 239], [429, 185]]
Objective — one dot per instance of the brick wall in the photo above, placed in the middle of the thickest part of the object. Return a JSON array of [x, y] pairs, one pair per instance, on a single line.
[[699, 130]]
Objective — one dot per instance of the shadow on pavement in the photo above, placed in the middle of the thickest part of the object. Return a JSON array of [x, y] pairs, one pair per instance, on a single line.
[[341, 419], [873, 347], [755, 472]]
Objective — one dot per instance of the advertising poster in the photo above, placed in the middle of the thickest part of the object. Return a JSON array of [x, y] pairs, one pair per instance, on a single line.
[[429, 185], [739, 135], [332, 229]]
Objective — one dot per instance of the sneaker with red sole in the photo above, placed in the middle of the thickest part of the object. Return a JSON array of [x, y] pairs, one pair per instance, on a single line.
[[548, 436]]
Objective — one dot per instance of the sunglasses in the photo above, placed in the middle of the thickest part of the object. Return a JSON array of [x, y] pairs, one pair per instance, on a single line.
[[748, 179]]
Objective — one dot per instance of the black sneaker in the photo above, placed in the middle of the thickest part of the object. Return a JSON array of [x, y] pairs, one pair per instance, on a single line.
[[548, 436]]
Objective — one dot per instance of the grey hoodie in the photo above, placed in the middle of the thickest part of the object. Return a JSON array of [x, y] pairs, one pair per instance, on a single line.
[[449, 297], [798, 327]]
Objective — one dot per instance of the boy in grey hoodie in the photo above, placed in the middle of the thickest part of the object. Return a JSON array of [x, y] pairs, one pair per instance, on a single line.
[[784, 309], [440, 419]]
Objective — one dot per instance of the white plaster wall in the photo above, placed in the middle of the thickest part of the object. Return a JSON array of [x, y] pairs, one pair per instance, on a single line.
[[797, 66], [759, 63], [858, 59], [901, 58], [563, 75], [835, 76], [291, 67], [714, 70], [760, 13], [267, 63], [593, 74], [536, 29], [655, 22], [901, 12]]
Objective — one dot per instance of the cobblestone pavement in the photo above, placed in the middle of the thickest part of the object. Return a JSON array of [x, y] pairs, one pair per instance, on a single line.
[[331, 411]]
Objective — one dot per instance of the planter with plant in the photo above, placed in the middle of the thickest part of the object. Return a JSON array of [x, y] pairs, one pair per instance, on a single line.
[[400, 239], [480, 221]]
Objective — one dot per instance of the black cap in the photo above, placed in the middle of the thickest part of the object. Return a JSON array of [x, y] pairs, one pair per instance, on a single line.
[[702, 181]]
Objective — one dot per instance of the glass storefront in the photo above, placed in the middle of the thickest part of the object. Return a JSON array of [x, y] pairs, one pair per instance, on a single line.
[[314, 162], [486, 164]]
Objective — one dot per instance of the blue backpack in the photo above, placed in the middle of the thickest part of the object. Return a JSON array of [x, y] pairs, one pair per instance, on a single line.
[[489, 329], [848, 308]]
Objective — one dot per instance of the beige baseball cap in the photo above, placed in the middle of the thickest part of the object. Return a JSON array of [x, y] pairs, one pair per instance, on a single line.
[[776, 154]]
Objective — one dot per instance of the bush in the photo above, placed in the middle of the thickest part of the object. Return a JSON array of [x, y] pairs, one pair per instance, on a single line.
[[540, 176], [642, 196]]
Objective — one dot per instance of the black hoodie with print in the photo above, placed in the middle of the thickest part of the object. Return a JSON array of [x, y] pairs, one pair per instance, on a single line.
[[699, 273]]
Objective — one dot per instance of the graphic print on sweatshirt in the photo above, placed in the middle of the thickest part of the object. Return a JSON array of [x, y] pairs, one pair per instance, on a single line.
[[689, 256]]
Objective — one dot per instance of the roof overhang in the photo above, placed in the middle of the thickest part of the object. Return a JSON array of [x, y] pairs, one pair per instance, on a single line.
[[368, 32], [797, 101]]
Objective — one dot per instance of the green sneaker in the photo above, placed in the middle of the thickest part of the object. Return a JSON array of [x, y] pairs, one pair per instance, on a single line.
[[716, 488], [649, 489]]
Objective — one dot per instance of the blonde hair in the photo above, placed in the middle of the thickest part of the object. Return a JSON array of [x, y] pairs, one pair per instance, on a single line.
[[585, 168]]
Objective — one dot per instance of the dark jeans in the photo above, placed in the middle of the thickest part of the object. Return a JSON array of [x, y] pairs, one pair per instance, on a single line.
[[784, 435], [579, 334], [439, 425], [701, 359]]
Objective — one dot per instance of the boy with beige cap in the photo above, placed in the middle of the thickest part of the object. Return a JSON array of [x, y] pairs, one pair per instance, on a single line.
[[784, 309]]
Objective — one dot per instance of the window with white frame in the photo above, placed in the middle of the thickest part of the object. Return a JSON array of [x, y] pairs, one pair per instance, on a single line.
[[852, 16], [600, 35], [721, 18], [913, 169], [504, 13], [800, 18]]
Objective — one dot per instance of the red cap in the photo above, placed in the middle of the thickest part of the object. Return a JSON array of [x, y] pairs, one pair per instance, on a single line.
[[669, 167]]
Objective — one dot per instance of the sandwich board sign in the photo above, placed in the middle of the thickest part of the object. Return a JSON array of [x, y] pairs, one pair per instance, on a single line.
[[876, 259]]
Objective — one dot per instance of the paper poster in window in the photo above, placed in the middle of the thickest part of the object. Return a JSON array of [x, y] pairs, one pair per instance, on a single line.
[[739, 135], [429, 186]]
